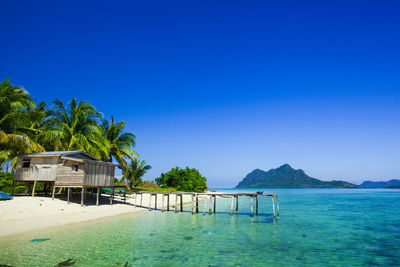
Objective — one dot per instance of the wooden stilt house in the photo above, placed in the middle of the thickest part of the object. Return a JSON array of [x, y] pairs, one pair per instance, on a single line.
[[69, 169]]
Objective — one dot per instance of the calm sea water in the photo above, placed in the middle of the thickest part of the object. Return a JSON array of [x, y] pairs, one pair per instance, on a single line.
[[317, 227]]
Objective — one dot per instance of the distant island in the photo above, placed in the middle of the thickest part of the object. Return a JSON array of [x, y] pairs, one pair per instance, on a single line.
[[287, 177], [394, 183]]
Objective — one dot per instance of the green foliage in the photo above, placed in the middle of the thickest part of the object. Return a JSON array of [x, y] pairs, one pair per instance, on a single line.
[[26, 127], [6, 183], [187, 180], [154, 189], [134, 172]]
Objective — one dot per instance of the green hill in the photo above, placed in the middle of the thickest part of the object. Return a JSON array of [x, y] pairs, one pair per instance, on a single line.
[[287, 177]]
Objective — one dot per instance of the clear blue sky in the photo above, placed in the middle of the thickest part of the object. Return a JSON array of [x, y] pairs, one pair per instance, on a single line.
[[224, 86]]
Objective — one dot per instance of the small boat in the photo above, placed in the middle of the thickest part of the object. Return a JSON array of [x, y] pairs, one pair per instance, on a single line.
[[4, 196]]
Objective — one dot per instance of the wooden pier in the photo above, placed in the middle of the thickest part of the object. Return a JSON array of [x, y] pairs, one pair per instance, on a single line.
[[209, 199]]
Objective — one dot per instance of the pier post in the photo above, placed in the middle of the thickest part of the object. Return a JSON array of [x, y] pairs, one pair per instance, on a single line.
[[192, 204], [251, 206], [68, 194], [176, 203], [155, 202], [150, 202], [181, 196], [215, 203], [135, 200], [277, 205], [237, 204], [273, 205], [256, 205], [112, 195], [210, 206], [205, 204], [162, 202], [232, 205], [168, 202], [197, 203], [141, 199]]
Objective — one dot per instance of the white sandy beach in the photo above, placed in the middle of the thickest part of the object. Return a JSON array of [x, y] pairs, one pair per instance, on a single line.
[[26, 213]]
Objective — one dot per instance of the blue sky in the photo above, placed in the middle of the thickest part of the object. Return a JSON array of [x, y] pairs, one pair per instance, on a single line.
[[224, 86]]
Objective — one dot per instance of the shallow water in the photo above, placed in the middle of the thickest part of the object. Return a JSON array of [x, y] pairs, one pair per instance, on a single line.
[[342, 227]]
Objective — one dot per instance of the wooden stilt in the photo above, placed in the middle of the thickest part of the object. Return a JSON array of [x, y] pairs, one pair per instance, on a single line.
[[27, 185], [53, 193], [82, 195], [97, 197], [197, 203], [232, 205], [181, 196], [176, 203], [192, 204], [256, 205], [215, 203], [141, 199], [210, 206], [277, 205], [112, 195], [33, 188], [251, 206], [168, 202], [237, 204], [155, 202], [273, 206], [68, 194]]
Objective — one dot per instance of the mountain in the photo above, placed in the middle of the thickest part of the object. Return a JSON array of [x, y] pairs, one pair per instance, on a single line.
[[287, 177], [371, 184]]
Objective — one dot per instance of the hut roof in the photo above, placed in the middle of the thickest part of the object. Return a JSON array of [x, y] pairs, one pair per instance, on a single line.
[[58, 153]]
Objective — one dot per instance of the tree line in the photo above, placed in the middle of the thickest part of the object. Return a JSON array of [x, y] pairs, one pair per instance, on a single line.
[[27, 126]]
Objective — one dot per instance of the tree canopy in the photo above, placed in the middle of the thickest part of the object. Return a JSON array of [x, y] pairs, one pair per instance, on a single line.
[[187, 180]]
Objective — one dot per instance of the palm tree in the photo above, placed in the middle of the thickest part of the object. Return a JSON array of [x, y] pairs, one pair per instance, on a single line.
[[133, 174], [119, 143], [14, 101], [77, 127]]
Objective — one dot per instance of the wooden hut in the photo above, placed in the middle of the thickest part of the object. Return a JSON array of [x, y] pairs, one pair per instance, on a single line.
[[69, 169]]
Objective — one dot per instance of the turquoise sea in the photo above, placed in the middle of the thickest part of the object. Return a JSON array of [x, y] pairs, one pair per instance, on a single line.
[[316, 227]]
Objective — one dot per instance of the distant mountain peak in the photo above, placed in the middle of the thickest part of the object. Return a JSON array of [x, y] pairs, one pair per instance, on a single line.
[[287, 177]]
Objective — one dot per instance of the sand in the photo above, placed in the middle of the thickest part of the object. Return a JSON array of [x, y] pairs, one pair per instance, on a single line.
[[25, 213]]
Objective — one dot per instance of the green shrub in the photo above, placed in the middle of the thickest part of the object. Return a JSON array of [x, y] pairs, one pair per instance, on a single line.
[[187, 180]]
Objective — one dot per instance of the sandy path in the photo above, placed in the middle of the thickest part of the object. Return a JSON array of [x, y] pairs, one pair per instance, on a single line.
[[25, 213]]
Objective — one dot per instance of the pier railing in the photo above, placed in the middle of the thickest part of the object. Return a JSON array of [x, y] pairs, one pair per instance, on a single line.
[[210, 197]]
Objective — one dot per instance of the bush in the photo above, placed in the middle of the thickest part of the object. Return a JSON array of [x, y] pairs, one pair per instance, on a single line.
[[187, 180]]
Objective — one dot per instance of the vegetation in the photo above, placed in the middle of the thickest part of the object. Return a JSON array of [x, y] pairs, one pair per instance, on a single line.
[[135, 171], [287, 177], [26, 127], [187, 180]]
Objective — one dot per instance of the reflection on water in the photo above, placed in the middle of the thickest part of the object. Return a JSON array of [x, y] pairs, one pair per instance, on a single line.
[[317, 227]]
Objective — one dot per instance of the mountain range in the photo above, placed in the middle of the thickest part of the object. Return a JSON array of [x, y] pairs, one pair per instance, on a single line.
[[287, 177], [389, 184]]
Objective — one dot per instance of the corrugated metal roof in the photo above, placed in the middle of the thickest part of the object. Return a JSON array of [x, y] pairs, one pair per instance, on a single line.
[[58, 153]]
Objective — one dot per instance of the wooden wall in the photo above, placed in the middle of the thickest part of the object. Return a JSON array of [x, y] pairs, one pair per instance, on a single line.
[[67, 176], [99, 174], [40, 169]]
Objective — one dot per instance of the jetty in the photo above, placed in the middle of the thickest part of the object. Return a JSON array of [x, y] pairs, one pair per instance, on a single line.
[[209, 198]]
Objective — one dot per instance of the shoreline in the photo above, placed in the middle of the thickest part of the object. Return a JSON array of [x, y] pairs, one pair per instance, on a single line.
[[24, 214]]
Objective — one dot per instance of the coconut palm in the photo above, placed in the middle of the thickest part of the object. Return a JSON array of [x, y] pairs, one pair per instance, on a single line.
[[77, 127], [134, 173], [119, 143], [14, 101]]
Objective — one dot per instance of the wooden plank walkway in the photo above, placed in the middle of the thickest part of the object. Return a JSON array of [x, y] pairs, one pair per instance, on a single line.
[[210, 197]]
